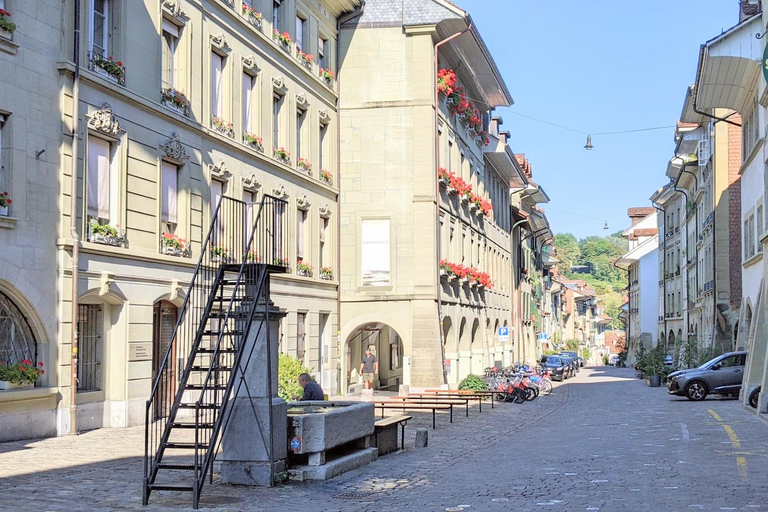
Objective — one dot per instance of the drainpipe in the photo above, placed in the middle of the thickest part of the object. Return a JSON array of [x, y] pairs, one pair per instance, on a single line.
[[664, 277], [438, 290], [73, 226], [347, 17]]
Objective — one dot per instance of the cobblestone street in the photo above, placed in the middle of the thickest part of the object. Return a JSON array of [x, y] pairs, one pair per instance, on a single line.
[[601, 441]]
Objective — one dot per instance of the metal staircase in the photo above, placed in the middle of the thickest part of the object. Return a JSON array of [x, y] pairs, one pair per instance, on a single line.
[[204, 365]]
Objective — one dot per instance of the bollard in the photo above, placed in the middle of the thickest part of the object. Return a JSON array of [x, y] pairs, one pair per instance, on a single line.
[[404, 390], [422, 438]]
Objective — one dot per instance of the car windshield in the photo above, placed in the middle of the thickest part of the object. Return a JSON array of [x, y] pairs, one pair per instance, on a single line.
[[554, 360], [724, 362]]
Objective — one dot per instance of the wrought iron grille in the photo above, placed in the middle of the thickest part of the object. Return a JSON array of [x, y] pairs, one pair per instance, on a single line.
[[89, 347], [17, 341]]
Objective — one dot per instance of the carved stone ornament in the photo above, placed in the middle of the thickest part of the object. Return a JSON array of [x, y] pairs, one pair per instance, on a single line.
[[249, 64], [220, 171], [174, 150], [104, 121], [325, 211], [219, 41], [175, 9], [322, 114], [250, 183], [303, 203], [278, 83], [280, 192], [301, 100], [107, 280]]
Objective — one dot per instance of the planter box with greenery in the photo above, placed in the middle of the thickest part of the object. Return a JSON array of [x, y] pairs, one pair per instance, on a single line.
[[20, 375], [474, 383], [105, 234], [304, 269], [7, 27], [174, 245], [288, 371]]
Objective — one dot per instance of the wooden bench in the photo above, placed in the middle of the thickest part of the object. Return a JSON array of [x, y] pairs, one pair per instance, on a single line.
[[439, 399], [413, 406], [386, 433], [464, 399]]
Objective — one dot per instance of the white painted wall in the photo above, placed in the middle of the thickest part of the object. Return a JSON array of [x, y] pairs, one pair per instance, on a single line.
[[649, 292]]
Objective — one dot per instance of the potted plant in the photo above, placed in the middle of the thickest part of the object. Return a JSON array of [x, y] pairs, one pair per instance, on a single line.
[[304, 58], [104, 234], [5, 202], [444, 177], [174, 245], [303, 269], [326, 273], [284, 39], [109, 68], [7, 27], [655, 366], [281, 154], [326, 176], [253, 17], [253, 141], [175, 100], [222, 126], [327, 75], [280, 262], [446, 81], [252, 257], [304, 165], [20, 375], [219, 254]]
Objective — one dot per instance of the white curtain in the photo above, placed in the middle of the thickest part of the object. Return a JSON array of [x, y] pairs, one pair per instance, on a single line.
[[247, 106], [216, 76], [170, 187], [299, 33], [216, 193], [302, 217], [375, 252], [98, 178]]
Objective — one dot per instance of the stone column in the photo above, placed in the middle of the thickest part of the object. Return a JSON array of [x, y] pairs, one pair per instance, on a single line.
[[245, 453]]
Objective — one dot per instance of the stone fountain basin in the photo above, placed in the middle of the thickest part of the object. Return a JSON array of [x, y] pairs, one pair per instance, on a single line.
[[321, 426]]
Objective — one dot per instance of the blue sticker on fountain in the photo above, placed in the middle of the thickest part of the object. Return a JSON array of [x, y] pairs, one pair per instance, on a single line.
[[296, 443]]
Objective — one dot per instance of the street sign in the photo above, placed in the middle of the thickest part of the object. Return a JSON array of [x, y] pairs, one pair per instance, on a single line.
[[503, 334]]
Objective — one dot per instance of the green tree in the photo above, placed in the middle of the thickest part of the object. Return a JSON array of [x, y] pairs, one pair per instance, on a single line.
[[568, 252], [289, 369]]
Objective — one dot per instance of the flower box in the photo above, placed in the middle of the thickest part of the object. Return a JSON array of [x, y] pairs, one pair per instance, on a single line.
[[283, 40], [251, 16], [223, 127], [115, 241], [7, 27], [174, 251], [452, 190], [303, 165], [5, 34], [7, 385], [174, 245], [465, 199], [327, 76], [221, 260], [444, 182], [3, 211], [175, 100], [327, 277], [112, 70], [326, 177], [303, 272], [253, 141], [304, 58], [281, 155]]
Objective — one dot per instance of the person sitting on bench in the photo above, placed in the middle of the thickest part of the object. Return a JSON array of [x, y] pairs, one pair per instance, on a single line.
[[312, 390]]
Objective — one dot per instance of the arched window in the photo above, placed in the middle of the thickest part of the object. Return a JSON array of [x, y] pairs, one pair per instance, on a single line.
[[17, 342]]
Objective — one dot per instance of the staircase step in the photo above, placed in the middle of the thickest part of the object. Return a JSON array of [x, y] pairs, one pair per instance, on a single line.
[[187, 466], [209, 387], [212, 350], [226, 333], [191, 425], [206, 368], [185, 446], [202, 406], [169, 487], [221, 314]]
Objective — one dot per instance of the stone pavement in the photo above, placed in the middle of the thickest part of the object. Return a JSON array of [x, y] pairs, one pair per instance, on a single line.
[[601, 441]]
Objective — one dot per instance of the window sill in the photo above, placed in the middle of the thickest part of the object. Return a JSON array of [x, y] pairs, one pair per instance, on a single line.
[[27, 394], [752, 260], [7, 45], [7, 222]]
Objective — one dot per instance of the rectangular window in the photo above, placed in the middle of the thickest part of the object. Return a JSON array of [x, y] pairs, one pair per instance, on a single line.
[[300, 116], [322, 51], [249, 84], [321, 146], [276, 14], [217, 191], [4, 181], [323, 238], [170, 43], [277, 102], [217, 64], [100, 27], [301, 335], [449, 167], [170, 193], [89, 323], [759, 232], [301, 26], [323, 356], [99, 204], [375, 253], [301, 219]]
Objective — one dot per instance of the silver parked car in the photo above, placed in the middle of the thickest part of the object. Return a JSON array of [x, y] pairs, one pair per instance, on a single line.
[[721, 375]]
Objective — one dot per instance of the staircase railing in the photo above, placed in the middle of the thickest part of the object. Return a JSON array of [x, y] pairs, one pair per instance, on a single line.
[[248, 238]]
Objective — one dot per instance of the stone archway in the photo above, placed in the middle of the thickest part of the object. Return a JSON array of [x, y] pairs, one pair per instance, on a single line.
[[386, 344]]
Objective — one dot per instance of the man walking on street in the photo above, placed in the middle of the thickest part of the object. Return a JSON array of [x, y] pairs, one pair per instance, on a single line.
[[369, 367]]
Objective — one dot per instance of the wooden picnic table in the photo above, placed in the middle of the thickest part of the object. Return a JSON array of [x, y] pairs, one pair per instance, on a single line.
[[411, 406], [440, 399], [460, 392]]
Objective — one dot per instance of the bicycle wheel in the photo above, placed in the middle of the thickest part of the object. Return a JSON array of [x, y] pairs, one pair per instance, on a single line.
[[546, 387], [532, 394], [520, 396]]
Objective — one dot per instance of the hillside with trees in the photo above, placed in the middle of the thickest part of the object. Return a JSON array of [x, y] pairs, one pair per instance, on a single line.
[[591, 259]]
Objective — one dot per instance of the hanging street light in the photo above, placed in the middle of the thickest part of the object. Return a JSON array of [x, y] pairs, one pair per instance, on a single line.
[[589, 143], [606, 226]]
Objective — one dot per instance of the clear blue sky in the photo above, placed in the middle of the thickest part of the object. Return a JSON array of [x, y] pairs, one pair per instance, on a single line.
[[597, 66]]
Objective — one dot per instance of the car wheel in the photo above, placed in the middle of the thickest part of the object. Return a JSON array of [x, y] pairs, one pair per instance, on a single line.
[[753, 397], [696, 391]]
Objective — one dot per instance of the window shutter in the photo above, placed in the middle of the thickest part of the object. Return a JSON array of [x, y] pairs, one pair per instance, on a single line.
[[98, 178], [170, 192]]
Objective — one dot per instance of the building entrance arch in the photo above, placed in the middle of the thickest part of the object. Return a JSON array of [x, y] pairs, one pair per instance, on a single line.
[[386, 344]]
